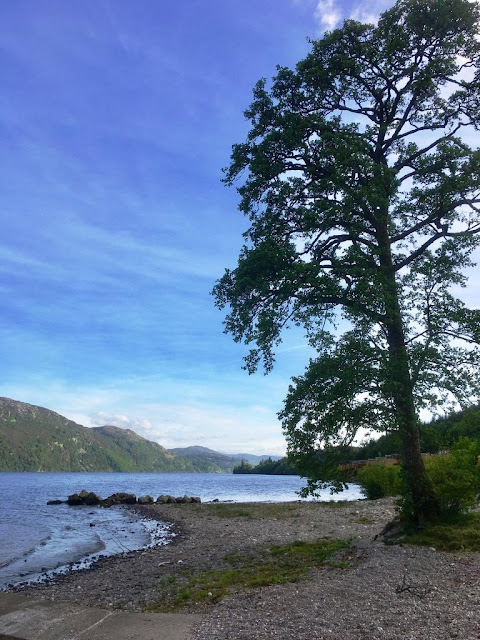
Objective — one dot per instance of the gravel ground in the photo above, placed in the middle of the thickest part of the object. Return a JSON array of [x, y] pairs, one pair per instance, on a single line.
[[388, 592]]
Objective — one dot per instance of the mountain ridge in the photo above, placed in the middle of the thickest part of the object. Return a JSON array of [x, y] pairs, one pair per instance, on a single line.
[[34, 438]]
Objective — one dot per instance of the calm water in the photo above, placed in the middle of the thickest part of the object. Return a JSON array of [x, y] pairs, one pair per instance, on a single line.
[[36, 538]]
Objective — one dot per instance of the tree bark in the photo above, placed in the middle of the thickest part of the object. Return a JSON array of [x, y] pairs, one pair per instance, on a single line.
[[424, 507]]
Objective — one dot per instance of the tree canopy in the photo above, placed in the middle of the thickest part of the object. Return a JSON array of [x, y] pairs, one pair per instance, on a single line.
[[363, 196]]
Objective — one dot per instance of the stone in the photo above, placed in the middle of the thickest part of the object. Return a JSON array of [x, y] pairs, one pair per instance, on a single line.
[[122, 498], [55, 502], [392, 529], [92, 499], [145, 500]]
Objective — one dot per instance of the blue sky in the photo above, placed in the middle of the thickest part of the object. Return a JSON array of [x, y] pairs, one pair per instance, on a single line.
[[116, 118]]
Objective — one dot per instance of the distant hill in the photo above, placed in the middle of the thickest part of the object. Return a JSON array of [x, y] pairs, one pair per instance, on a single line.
[[223, 461], [208, 460], [36, 439], [253, 459]]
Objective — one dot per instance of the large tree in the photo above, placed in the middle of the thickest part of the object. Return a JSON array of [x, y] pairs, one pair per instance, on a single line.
[[363, 192]]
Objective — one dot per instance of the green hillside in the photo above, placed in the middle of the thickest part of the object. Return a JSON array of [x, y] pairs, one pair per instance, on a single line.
[[37, 439], [208, 460]]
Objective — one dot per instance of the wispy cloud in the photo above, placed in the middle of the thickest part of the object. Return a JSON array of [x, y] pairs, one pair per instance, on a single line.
[[174, 425], [369, 12], [236, 413], [101, 418], [327, 14]]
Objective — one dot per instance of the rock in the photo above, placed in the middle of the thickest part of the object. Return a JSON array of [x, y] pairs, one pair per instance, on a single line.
[[163, 499], [196, 499], [122, 498], [84, 497], [55, 502], [171, 500], [392, 529], [145, 500], [92, 498]]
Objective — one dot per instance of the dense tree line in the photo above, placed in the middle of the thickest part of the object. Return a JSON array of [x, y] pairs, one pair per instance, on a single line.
[[438, 435], [269, 467]]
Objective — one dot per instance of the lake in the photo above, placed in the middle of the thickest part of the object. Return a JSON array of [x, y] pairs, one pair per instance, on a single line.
[[37, 539]]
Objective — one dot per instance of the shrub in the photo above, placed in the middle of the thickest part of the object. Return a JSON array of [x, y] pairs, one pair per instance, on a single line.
[[456, 477], [379, 480]]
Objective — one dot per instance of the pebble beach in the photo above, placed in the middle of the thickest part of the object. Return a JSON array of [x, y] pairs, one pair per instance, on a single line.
[[375, 592]]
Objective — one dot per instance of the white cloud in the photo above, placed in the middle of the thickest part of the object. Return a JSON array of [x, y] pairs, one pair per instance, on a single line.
[[327, 14], [252, 428], [369, 12], [101, 418]]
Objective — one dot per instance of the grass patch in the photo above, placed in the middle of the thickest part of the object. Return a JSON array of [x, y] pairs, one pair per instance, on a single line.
[[460, 534], [333, 504], [258, 511], [276, 565], [254, 511], [364, 520]]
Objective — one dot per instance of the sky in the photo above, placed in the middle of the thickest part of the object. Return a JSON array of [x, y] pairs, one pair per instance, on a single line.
[[116, 118]]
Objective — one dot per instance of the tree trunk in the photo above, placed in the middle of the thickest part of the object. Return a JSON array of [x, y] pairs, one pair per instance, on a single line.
[[424, 507]]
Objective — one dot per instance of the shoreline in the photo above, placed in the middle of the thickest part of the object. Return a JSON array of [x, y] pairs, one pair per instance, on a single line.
[[111, 538], [440, 597], [198, 538]]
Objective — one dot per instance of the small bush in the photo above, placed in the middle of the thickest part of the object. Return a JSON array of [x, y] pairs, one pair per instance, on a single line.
[[456, 477], [379, 480]]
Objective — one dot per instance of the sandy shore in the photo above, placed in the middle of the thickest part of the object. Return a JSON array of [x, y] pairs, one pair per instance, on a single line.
[[388, 592]]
